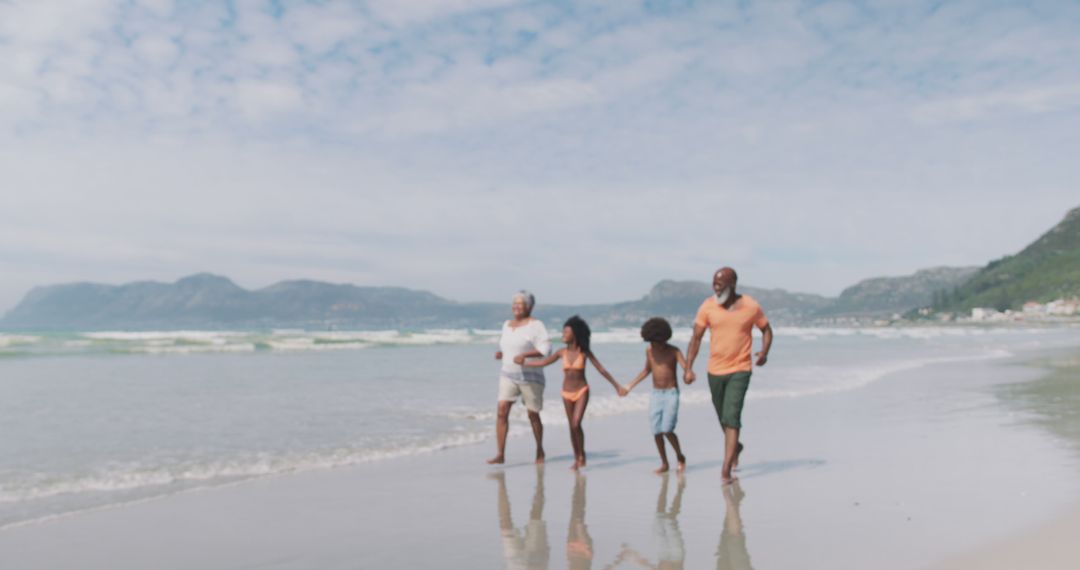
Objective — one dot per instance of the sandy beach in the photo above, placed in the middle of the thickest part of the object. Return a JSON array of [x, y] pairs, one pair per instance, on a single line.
[[941, 465]]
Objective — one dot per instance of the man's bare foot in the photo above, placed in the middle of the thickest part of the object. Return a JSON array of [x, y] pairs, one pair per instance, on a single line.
[[663, 469], [540, 457], [738, 451], [497, 460], [682, 463]]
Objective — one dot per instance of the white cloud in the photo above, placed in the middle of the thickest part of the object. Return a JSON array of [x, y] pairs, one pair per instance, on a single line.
[[399, 13], [388, 143], [1035, 100], [259, 98]]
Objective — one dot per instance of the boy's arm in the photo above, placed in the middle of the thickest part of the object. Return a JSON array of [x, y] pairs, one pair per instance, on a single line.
[[680, 358], [543, 361], [603, 372], [641, 375]]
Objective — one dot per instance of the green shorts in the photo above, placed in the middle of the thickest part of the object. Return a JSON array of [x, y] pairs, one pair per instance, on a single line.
[[728, 395]]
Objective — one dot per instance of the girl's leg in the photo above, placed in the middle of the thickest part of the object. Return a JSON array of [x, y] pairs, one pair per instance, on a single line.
[[573, 433], [579, 415]]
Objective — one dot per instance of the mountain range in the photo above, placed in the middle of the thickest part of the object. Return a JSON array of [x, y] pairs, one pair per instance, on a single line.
[[209, 301], [1047, 269]]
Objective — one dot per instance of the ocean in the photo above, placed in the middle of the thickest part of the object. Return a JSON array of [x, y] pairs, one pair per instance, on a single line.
[[94, 419]]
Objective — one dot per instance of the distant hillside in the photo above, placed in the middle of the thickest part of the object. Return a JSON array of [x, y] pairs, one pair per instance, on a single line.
[[206, 301], [211, 301], [1047, 269], [214, 302], [888, 295], [679, 301]]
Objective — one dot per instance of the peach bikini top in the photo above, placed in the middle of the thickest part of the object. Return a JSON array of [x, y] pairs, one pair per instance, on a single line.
[[577, 364]]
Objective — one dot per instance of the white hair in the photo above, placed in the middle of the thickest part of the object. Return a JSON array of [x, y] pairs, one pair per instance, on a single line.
[[526, 296]]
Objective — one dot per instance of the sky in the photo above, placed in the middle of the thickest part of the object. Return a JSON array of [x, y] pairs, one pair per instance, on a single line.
[[583, 150]]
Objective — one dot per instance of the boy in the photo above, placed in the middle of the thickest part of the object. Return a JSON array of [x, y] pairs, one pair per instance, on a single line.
[[660, 361]]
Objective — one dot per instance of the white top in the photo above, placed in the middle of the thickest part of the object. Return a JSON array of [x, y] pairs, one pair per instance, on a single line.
[[526, 338]]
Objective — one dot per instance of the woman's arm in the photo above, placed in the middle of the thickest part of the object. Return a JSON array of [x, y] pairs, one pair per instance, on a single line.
[[603, 372], [539, 363], [520, 359]]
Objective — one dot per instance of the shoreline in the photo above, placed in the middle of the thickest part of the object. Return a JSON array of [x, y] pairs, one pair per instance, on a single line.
[[800, 492], [1050, 402]]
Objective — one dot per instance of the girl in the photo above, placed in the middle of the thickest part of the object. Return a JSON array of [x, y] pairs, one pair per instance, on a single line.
[[575, 390]]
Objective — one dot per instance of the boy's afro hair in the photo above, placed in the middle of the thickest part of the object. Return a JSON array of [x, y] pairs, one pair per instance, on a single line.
[[656, 329]]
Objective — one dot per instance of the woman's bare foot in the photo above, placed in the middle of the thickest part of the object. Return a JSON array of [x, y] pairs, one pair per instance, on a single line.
[[497, 460], [663, 469], [738, 451], [540, 457], [682, 463], [727, 479]]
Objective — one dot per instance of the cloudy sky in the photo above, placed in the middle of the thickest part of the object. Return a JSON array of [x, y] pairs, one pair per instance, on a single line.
[[581, 149]]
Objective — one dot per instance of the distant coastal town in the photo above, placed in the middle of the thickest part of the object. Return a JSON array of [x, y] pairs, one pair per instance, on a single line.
[[1058, 310]]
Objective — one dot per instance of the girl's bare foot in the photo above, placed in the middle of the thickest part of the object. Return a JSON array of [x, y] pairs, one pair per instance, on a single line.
[[727, 480], [682, 463], [663, 469], [540, 457], [497, 460], [738, 452]]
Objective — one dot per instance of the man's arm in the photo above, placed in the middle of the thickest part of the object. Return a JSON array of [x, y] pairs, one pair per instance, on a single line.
[[691, 353], [766, 344]]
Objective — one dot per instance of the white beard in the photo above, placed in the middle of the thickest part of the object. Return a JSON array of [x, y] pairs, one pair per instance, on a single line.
[[723, 296]]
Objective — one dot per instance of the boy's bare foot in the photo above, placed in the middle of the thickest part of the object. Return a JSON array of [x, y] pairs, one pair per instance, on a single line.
[[497, 460], [540, 457], [738, 451], [663, 469], [682, 463]]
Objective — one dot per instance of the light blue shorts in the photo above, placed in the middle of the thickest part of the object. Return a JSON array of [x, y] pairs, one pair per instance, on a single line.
[[664, 410]]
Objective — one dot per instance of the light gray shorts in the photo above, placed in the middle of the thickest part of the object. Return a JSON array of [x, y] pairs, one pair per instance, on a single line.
[[530, 392]]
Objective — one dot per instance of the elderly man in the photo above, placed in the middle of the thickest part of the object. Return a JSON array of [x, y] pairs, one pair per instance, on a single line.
[[730, 319]]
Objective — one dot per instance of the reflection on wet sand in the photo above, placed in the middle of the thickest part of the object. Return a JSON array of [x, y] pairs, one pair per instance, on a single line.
[[732, 553], [529, 550], [579, 545], [671, 551]]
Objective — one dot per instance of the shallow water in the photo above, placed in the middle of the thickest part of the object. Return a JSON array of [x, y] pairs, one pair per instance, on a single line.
[[98, 418]]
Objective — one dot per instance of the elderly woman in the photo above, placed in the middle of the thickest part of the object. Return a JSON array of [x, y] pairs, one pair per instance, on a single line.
[[527, 337]]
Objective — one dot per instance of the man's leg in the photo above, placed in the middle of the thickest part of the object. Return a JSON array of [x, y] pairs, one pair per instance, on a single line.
[[731, 419], [731, 442]]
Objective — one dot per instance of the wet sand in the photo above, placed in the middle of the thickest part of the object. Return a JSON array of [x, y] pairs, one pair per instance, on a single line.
[[910, 471]]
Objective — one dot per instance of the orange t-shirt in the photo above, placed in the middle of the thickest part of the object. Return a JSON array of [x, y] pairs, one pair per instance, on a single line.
[[730, 339]]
